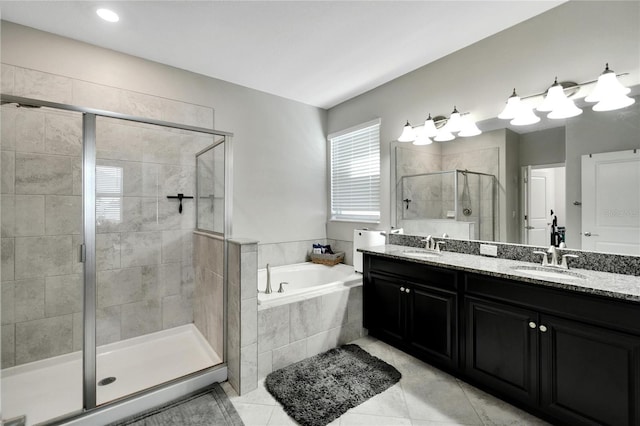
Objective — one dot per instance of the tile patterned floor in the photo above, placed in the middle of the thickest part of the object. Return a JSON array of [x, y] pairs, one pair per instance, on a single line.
[[425, 396]]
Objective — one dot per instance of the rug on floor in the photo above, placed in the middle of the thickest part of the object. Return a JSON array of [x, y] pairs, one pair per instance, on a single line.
[[318, 390], [211, 407]]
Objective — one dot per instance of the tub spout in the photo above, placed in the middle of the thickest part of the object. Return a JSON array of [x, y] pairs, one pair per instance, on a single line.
[[268, 289]]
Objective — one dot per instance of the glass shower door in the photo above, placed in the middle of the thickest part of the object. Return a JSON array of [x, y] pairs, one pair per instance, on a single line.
[[145, 217], [42, 280]]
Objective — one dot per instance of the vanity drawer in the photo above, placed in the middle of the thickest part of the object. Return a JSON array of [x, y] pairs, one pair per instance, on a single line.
[[604, 311], [441, 278]]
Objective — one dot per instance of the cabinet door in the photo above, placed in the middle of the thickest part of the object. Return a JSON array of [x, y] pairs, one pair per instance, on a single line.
[[589, 375], [501, 348], [384, 314], [432, 319]]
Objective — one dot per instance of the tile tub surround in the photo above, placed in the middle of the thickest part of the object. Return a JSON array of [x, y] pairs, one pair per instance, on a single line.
[[289, 333], [242, 329], [603, 262], [145, 275], [619, 286]]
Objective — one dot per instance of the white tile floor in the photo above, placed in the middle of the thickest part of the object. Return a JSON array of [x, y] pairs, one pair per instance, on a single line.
[[424, 396]]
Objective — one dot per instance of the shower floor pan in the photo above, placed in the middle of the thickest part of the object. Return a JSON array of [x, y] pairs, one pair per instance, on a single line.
[[46, 389]]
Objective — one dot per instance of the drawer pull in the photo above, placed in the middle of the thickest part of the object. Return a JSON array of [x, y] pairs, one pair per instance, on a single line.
[[543, 328], [408, 291], [532, 324], [401, 288]]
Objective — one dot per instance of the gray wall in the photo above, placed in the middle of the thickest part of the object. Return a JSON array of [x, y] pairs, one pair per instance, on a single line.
[[542, 147], [572, 41], [275, 199]]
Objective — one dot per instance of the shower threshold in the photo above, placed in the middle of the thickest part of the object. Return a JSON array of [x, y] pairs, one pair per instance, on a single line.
[[53, 387]]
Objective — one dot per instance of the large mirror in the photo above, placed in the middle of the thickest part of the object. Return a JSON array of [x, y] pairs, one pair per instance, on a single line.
[[575, 181]]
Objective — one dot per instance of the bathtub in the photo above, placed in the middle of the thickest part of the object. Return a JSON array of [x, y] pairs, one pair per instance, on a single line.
[[305, 280]]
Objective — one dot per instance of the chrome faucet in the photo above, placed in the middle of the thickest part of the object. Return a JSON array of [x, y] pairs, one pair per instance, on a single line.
[[554, 258], [429, 243], [268, 289]]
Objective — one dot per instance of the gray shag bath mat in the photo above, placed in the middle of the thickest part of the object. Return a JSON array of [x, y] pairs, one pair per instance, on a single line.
[[318, 390], [210, 407]]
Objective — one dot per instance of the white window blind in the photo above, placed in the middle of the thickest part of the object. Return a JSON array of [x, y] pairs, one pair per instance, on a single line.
[[355, 173], [108, 193]]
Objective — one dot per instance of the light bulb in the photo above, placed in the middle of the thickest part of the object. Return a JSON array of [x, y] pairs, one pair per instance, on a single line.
[[607, 86], [469, 127], [430, 129], [524, 116], [554, 98], [454, 124]]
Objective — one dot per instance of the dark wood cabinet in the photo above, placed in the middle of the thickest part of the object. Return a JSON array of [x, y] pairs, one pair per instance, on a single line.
[[589, 375], [576, 372], [416, 315], [572, 358], [501, 348]]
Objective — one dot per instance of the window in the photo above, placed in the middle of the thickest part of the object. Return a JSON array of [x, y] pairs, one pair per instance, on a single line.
[[355, 173], [108, 194]]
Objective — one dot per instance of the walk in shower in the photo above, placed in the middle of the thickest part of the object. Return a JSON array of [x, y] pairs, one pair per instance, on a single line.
[[460, 203], [99, 287]]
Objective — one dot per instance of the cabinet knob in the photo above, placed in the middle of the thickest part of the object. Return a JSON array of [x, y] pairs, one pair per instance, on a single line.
[[401, 288], [408, 291], [543, 328], [532, 324]]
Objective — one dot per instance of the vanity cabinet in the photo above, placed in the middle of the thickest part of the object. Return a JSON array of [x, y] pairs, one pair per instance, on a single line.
[[570, 357], [550, 358], [414, 308]]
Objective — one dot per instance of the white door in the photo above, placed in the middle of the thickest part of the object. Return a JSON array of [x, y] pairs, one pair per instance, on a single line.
[[539, 204], [611, 202]]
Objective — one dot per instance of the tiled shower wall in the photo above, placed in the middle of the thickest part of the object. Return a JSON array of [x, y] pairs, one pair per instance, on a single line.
[[145, 272]]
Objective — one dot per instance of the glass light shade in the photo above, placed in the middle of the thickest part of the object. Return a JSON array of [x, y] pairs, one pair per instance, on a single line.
[[510, 111], [607, 86], [454, 123], [430, 129], [525, 116], [611, 103], [444, 136], [554, 99], [566, 109], [469, 127], [408, 134], [421, 137]]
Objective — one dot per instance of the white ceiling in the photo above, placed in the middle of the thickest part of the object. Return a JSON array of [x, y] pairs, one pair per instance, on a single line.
[[317, 52]]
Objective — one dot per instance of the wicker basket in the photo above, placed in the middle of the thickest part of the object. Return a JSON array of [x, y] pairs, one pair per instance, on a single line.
[[327, 259]]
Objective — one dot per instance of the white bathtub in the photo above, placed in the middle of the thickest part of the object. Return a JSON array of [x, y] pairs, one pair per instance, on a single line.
[[305, 280]]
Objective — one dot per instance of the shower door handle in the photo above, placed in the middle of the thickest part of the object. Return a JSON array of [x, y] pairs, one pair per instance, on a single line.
[[82, 253]]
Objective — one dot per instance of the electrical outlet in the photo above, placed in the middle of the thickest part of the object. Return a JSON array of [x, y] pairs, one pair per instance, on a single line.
[[489, 250]]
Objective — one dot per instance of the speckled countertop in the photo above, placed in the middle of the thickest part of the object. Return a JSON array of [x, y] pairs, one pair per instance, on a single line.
[[626, 287]]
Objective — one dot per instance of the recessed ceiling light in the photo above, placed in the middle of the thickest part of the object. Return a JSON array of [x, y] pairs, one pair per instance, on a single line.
[[108, 15]]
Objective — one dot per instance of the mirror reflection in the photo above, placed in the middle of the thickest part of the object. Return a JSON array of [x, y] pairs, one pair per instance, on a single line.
[[574, 181]]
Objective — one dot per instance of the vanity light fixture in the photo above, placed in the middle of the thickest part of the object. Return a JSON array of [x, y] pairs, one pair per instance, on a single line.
[[408, 134], [512, 108], [557, 103], [421, 136], [609, 93], [454, 124], [468, 127], [108, 15], [440, 128], [430, 129]]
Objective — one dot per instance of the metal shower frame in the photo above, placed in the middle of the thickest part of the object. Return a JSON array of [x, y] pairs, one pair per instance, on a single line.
[[87, 250]]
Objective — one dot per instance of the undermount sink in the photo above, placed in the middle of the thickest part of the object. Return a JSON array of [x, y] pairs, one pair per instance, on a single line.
[[421, 254], [548, 272]]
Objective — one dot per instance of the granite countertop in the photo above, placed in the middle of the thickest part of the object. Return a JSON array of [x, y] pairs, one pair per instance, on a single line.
[[619, 286]]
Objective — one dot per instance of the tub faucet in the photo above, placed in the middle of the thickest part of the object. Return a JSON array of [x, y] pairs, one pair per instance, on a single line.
[[268, 289]]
